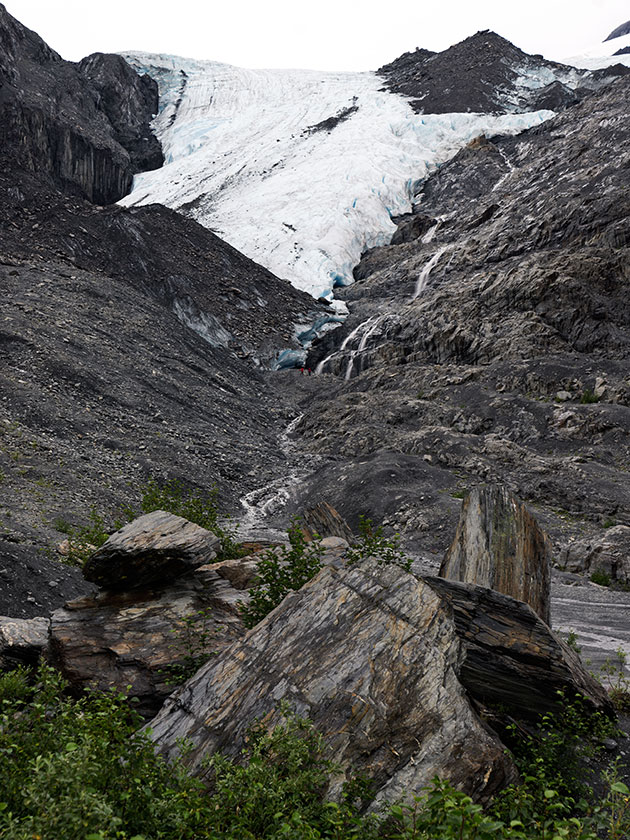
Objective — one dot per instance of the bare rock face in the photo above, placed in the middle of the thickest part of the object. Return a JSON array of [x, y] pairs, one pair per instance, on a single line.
[[510, 657], [371, 655], [499, 545], [22, 641], [608, 553], [325, 521], [151, 551], [140, 639], [56, 122]]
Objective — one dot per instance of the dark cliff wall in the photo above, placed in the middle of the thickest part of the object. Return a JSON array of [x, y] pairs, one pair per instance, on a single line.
[[62, 120]]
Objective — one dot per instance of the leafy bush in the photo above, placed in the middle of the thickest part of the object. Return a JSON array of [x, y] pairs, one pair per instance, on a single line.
[[600, 577], [280, 571], [588, 397], [82, 541], [80, 770], [200, 507], [373, 543]]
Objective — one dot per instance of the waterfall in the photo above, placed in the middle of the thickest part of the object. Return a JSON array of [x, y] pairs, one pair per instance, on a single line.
[[428, 268]]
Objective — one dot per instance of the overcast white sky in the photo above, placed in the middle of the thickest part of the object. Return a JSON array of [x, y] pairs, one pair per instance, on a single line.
[[317, 34]]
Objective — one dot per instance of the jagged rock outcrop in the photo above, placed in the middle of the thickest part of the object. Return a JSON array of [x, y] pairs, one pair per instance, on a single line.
[[498, 544], [607, 553], [130, 102], [371, 657], [325, 521], [152, 550], [484, 73], [141, 641], [624, 29], [52, 119], [22, 641]]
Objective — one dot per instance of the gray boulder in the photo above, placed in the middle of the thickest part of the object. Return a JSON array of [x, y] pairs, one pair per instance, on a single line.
[[499, 545], [139, 642], [153, 549], [22, 641], [370, 654], [608, 553]]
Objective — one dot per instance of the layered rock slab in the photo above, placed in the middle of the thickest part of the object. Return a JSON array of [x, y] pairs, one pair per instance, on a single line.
[[22, 641], [371, 656], [153, 549], [499, 545], [135, 641], [510, 657]]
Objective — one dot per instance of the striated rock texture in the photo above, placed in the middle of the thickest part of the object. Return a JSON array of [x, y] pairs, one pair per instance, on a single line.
[[152, 550], [511, 363], [510, 657], [55, 116], [499, 545], [324, 520], [370, 655], [22, 641], [144, 639], [130, 101]]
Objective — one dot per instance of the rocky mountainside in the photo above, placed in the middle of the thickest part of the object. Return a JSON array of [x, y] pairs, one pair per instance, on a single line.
[[133, 342], [493, 338]]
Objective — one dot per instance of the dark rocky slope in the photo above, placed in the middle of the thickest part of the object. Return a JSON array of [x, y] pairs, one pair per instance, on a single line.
[[86, 126], [486, 73], [513, 359], [132, 342]]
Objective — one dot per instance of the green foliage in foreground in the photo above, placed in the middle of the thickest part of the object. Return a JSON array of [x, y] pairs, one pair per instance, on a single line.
[[283, 569], [79, 770]]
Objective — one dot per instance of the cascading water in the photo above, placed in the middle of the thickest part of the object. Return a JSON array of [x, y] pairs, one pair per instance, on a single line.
[[426, 271]]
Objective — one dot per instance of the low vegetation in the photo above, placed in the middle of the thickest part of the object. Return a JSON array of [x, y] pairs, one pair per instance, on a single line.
[[79, 769], [198, 506], [283, 569]]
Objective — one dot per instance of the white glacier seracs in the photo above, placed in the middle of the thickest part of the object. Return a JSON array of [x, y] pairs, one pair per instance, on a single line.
[[245, 158]]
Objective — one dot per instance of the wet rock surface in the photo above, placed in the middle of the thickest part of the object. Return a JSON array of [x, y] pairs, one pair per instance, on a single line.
[[499, 545]]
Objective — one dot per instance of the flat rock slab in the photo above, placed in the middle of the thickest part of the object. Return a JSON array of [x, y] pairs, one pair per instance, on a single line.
[[499, 545], [323, 520], [133, 641], [22, 641], [154, 549], [371, 656]]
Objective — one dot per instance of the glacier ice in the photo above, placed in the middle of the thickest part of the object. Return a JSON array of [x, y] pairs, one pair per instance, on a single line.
[[245, 158]]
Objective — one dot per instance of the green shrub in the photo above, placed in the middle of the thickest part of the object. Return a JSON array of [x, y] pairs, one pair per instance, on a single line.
[[82, 541], [588, 397], [200, 507], [80, 770], [600, 577], [373, 543], [280, 571]]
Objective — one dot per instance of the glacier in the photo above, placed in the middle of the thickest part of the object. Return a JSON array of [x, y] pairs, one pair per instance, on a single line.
[[300, 170]]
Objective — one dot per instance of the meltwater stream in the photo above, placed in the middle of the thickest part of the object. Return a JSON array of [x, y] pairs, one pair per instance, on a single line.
[[268, 501]]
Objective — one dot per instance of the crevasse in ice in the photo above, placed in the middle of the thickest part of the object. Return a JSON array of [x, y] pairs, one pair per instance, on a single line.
[[245, 157]]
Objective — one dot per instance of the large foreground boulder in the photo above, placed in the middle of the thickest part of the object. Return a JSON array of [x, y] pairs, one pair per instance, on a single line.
[[499, 545], [371, 655], [141, 641], [154, 549]]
